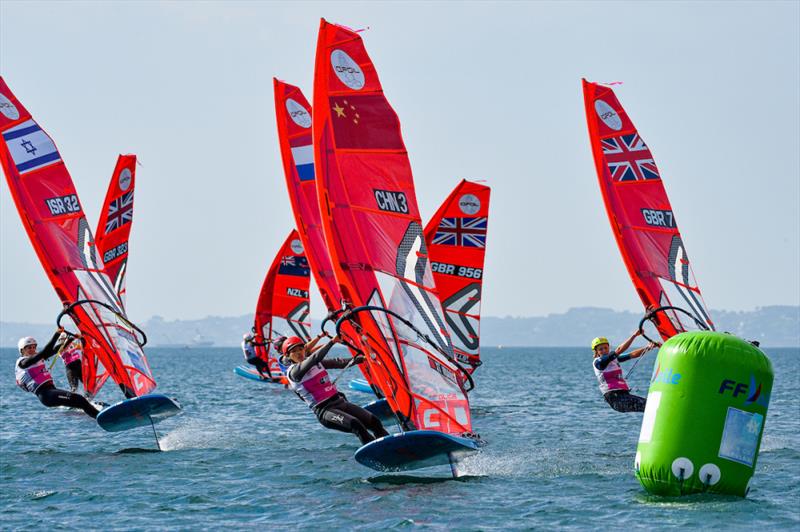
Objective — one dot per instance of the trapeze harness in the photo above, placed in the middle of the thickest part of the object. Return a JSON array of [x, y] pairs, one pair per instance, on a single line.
[[33, 376], [312, 383], [615, 390]]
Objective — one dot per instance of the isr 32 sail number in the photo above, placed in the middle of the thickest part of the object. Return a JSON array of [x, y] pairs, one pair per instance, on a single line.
[[63, 205]]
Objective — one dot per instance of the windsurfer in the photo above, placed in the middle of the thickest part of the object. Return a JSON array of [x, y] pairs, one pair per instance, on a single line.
[[309, 379], [606, 366], [249, 350], [71, 354], [33, 376]]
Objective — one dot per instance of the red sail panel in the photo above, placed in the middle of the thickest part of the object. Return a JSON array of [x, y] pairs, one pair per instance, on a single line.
[[283, 306], [116, 220], [375, 238], [456, 238], [640, 212], [52, 214], [293, 114]]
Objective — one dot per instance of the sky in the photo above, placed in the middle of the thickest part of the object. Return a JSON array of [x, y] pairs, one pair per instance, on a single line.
[[483, 90]]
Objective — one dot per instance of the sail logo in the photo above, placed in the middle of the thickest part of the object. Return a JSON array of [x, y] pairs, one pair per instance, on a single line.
[[469, 204], [657, 218], [125, 179], [115, 252], [296, 246], [347, 70], [455, 269], [8, 109], [391, 201], [608, 115], [298, 113], [296, 292], [63, 205]]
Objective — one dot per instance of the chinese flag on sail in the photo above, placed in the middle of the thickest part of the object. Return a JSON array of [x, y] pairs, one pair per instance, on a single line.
[[365, 122]]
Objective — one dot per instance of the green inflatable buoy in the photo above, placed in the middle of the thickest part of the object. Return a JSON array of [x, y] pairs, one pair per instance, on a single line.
[[705, 414]]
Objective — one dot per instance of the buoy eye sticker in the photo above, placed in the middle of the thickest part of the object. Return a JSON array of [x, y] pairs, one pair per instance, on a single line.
[[298, 113], [347, 70], [608, 115], [8, 109]]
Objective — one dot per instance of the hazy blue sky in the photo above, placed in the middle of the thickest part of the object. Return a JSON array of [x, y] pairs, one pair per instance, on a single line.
[[484, 91]]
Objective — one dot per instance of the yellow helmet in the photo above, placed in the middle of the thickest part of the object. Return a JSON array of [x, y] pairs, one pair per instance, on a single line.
[[598, 341]]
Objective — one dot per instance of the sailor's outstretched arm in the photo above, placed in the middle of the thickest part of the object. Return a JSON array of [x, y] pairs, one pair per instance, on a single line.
[[299, 371], [627, 343], [47, 351]]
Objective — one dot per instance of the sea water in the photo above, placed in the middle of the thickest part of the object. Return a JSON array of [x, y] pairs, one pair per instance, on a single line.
[[247, 455]]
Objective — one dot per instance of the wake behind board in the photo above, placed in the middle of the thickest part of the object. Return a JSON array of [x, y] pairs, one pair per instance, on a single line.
[[137, 412], [360, 385], [414, 450], [252, 374]]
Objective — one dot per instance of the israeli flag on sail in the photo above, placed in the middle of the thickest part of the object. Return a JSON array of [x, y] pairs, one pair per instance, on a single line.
[[30, 147], [304, 162]]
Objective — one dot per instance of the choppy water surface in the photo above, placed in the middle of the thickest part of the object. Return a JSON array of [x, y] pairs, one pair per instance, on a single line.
[[250, 455]]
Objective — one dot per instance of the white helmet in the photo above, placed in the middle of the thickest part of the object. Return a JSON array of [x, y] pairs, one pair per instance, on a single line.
[[25, 342], [247, 336]]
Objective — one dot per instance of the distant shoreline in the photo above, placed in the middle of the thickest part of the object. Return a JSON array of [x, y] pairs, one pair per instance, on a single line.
[[773, 326]]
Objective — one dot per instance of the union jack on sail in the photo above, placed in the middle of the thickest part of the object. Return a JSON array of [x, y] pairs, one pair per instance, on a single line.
[[120, 212], [469, 232], [629, 158]]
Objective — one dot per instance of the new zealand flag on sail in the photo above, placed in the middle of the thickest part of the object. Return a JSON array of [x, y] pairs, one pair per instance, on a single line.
[[120, 212], [629, 158], [294, 265], [30, 147], [467, 232]]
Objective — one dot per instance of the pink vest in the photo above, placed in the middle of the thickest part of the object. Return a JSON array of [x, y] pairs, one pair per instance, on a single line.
[[70, 355], [315, 387], [29, 379], [611, 378]]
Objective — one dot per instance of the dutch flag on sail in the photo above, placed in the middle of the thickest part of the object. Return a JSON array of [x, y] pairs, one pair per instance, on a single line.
[[304, 162], [30, 147]]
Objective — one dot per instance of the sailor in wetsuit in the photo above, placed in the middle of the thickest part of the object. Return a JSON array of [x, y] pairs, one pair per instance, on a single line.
[[249, 351], [71, 354], [309, 379], [606, 366], [33, 376]]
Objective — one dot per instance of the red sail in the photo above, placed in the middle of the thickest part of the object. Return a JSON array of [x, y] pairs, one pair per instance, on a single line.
[[640, 213], [293, 114], [116, 220], [283, 307], [375, 238], [48, 205], [456, 238]]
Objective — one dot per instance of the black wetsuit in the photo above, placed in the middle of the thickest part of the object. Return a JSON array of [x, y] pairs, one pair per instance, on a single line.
[[47, 393], [620, 400], [337, 412], [74, 374]]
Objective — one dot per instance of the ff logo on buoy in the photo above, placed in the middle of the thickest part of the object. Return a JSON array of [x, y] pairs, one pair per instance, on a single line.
[[753, 390]]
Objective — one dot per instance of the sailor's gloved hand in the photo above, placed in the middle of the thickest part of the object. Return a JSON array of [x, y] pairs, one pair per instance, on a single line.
[[360, 359]]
